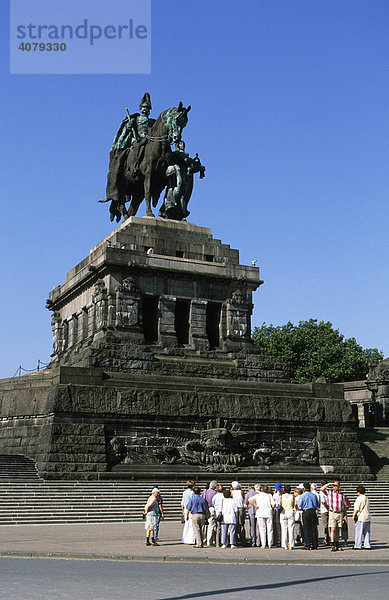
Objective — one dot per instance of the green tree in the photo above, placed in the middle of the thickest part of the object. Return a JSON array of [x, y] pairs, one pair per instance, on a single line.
[[314, 349]]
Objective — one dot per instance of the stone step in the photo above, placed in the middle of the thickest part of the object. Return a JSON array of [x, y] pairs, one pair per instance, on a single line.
[[17, 468], [100, 488], [376, 450], [27, 499], [18, 503], [56, 521], [69, 502]]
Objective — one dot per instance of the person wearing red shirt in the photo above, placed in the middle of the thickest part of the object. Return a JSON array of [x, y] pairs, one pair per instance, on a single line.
[[337, 508]]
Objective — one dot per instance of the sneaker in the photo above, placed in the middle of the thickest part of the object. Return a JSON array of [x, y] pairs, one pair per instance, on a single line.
[[263, 547], [148, 543], [224, 546], [154, 543], [232, 546]]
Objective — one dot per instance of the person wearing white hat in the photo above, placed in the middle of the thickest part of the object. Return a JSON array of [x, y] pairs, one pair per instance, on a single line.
[[238, 496], [151, 512]]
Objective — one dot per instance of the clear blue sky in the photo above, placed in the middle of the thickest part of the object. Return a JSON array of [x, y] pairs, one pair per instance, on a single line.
[[290, 116]]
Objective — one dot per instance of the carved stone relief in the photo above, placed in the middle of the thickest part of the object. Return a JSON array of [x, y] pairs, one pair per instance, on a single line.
[[216, 445]]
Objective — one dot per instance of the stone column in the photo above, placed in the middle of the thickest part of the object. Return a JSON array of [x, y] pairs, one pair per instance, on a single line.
[[378, 384], [82, 328], [198, 324], [238, 312], [382, 399], [56, 325], [223, 322], [111, 310], [127, 310], [90, 309], [361, 414], [100, 301], [167, 333], [73, 326], [65, 334]]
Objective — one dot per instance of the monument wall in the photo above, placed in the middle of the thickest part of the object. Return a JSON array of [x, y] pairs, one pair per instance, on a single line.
[[76, 422]]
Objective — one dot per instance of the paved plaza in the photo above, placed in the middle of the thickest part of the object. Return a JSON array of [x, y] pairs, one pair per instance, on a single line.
[[126, 541]]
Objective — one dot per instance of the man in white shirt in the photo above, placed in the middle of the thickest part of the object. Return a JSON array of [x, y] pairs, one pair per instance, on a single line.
[[217, 502], [324, 515]]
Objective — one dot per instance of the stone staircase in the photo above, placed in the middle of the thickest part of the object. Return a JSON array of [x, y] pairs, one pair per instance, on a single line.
[[18, 468], [375, 446], [55, 502], [25, 499]]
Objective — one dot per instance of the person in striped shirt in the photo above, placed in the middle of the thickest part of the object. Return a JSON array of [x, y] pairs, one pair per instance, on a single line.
[[337, 508]]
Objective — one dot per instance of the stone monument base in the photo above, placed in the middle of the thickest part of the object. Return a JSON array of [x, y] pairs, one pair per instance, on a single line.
[[79, 422], [153, 368]]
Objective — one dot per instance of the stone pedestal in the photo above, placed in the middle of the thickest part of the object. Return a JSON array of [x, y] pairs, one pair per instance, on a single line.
[[201, 294], [153, 366], [78, 422]]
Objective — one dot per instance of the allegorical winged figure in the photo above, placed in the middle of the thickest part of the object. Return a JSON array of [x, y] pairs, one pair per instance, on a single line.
[[179, 187], [142, 163]]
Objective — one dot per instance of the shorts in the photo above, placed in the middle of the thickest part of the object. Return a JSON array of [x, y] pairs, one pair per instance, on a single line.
[[335, 519], [241, 516], [151, 521]]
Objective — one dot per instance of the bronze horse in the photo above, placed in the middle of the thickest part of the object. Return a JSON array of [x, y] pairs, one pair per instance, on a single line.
[[145, 167]]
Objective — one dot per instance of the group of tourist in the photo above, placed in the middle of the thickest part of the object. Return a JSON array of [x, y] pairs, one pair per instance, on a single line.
[[278, 517], [217, 516]]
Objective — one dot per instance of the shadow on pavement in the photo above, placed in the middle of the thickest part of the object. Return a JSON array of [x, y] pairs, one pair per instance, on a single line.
[[267, 586]]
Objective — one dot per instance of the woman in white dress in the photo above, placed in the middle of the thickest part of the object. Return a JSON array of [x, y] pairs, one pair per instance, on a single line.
[[361, 516], [263, 502], [188, 536]]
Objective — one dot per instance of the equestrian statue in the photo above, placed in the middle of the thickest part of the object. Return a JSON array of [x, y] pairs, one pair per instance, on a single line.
[[142, 164]]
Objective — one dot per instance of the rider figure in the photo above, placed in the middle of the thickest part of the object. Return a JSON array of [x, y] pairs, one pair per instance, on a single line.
[[133, 129]]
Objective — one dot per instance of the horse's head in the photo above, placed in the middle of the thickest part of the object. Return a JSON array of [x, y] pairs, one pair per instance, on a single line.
[[175, 120]]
